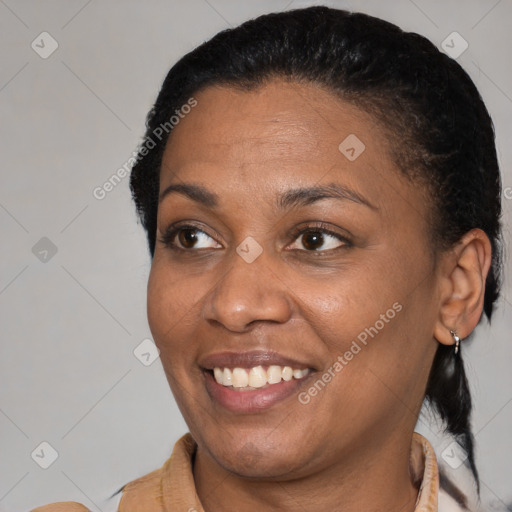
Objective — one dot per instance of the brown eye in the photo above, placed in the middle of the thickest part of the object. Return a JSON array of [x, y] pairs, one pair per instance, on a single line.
[[188, 238], [318, 240], [312, 240]]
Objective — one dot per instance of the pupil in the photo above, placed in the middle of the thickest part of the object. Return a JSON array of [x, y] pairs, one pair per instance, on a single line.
[[187, 238], [313, 240]]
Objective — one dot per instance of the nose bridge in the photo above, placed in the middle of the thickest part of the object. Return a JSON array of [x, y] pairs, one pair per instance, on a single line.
[[247, 292]]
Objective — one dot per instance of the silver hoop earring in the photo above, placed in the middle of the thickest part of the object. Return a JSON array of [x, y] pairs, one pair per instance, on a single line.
[[457, 341]]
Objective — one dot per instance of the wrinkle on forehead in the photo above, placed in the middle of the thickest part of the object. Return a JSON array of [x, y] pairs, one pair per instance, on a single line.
[[279, 128], [286, 139]]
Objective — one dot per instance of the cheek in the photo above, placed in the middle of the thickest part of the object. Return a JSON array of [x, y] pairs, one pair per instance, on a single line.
[[159, 306], [362, 317], [341, 306], [173, 317], [172, 306]]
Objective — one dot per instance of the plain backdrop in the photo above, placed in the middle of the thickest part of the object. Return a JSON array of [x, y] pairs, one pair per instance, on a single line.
[[73, 268]]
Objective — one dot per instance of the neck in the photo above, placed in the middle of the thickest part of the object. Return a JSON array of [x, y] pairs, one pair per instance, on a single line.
[[368, 480]]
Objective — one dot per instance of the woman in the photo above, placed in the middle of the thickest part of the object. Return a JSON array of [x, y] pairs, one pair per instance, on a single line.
[[324, 232]]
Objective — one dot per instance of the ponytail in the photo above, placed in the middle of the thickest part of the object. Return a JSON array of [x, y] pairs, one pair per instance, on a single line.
[[448, 393]]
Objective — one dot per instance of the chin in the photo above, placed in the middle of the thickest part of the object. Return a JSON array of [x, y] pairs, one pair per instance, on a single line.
[[259, 459], [253, 464]]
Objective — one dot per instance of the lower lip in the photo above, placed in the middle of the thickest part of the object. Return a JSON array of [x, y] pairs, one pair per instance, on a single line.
[[252, 400]]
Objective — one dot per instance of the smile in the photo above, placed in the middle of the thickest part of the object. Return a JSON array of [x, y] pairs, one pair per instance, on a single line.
[[247, 379], [249, 382]]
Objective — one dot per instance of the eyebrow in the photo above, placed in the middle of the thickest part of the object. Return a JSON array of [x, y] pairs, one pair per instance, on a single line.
[[309, 195], [291, 198], [197, 193]]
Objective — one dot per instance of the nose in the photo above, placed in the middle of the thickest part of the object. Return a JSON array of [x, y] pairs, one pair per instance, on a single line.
[[247, 294]]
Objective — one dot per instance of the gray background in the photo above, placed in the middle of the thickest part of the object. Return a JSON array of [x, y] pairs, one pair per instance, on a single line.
[[69, 324]]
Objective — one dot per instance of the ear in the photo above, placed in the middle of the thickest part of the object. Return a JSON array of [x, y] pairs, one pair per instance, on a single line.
[[464, 269]]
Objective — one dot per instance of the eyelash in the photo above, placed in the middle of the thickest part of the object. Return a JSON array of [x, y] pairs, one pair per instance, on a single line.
[[167, 239], [324, 229]]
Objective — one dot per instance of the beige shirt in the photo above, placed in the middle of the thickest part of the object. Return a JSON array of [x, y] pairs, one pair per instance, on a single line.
[[171, 488]]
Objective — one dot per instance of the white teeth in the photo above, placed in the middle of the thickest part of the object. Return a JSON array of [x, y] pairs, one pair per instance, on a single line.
[[256, 377], [218, 373], [287, 373], [227, 378], [297, 374], [240, 378], [274, 374]]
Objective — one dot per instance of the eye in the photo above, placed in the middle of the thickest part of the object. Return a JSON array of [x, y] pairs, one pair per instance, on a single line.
[[318, 239], [188, 237]]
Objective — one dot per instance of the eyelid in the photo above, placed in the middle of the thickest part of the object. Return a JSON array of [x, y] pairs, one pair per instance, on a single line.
[[171, 231], [313, 226], [322, 227]]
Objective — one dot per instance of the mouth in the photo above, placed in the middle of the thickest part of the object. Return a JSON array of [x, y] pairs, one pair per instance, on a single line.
[[253, 381], [257, 377]]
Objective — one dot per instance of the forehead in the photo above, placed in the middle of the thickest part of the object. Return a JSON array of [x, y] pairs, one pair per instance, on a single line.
[[245, 143], [285, 120]]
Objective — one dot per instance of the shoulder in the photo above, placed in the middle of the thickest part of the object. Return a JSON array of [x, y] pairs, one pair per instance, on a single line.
[[160, 489], [141, 494], [145, 493], [62, 506], [149, 492]]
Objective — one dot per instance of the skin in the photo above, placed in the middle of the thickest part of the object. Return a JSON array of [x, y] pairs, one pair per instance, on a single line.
[[348, 448]]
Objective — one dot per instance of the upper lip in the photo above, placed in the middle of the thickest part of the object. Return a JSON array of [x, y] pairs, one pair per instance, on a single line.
[[249, 359]]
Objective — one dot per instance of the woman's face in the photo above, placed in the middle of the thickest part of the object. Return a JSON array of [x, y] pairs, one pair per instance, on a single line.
[[284, 242]]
